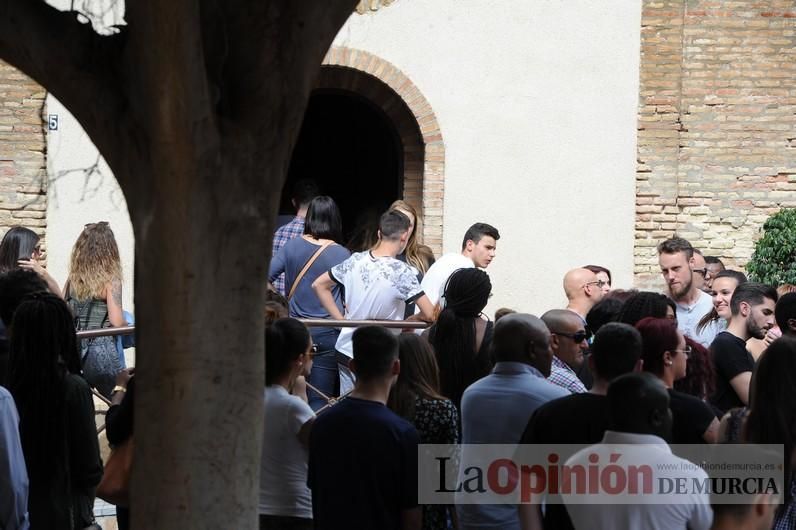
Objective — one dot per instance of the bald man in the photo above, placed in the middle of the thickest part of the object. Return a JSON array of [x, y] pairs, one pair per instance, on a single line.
[[583, 290], [569, 341], [496, 409]]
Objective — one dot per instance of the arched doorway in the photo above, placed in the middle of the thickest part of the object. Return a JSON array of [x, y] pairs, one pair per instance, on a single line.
[[352, 149], [371, 136]]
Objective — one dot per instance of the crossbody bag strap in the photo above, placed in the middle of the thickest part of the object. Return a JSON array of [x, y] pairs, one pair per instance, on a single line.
[[307, 267]]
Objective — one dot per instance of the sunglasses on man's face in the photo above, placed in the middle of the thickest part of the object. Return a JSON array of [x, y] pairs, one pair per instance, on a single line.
[[701, 272], [577, 337]]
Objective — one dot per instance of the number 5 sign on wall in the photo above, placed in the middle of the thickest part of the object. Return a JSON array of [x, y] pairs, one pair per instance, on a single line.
[[52, 122]]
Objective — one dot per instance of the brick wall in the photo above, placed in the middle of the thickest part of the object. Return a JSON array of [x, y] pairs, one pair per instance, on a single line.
[[23, 182], [717, 125]]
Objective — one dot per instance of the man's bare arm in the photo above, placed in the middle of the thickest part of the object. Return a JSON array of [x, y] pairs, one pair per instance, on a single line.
[[322, 286]]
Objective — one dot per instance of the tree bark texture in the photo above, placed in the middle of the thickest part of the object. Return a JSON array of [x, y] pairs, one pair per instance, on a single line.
[[195, 105]]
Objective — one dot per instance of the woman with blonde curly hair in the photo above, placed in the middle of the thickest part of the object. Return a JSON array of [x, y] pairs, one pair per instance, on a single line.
[[93, 291]]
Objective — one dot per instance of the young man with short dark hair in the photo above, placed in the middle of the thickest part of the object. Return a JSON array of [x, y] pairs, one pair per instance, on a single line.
[[583, 418], [752, 307], [301, 196], [376, 286], [713, 265], [362, 456], [785, 314], [478, 250], [640, 424]]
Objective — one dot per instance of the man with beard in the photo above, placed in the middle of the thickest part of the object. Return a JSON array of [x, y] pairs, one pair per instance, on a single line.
[[677, 262], [752, 308]]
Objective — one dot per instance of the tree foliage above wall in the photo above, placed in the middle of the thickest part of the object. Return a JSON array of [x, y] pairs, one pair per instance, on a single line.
[[774, 258]]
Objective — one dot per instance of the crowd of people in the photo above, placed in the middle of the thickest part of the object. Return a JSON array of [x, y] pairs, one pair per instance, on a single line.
[[49, 451], [609, 367], [711, 360]]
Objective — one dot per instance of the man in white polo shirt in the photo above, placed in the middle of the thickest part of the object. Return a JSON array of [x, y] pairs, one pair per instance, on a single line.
[[376, 286], [478, 250]]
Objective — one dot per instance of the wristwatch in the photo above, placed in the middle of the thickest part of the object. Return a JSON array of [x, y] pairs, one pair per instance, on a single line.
[[119, 388]]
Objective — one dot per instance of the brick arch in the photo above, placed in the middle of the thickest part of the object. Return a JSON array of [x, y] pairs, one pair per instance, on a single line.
[[391, 90]]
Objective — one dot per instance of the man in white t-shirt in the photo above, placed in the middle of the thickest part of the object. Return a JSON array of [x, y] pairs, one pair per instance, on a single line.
[[676, 259], [478, 250], [376, 286], [638, 405]]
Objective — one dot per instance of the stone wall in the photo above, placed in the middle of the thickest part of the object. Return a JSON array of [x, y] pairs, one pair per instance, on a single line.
[[717, 125], [23, 182]]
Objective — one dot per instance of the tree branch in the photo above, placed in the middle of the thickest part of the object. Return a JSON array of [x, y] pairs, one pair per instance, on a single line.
[[282, 37], [68, 58]]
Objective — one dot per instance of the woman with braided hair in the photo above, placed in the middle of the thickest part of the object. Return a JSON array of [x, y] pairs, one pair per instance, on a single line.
[[56, 414], [461, 336]]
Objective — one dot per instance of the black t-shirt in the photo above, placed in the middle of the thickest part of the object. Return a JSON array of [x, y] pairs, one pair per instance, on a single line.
[[362, 466], [730, 358], [575, 419], [691, 417]]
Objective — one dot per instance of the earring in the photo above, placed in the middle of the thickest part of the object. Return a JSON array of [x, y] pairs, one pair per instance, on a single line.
[[668, 363]]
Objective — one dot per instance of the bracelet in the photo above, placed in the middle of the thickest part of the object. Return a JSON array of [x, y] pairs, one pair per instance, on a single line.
[[119, 388]]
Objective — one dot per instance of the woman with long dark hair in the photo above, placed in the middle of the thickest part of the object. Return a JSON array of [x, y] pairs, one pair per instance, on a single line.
[[415, 397], [56, 414], [665, 354], [699, 380], [21, 249], [772, 416], [319, 249], [723, 285], [285, 500], [461, 337]]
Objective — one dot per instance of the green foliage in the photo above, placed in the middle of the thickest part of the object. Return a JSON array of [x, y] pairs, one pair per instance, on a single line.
[[774, 259]]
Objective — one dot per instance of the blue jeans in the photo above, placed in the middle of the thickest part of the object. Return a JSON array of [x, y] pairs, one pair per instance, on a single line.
[[323, 375]]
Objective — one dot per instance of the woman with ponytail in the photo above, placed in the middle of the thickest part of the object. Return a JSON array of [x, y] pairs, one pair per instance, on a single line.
[[285, 500], [461, 336], [56, 414]]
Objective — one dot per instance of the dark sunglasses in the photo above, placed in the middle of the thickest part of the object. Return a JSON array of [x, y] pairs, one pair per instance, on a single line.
[[702, 272], [577, 337]]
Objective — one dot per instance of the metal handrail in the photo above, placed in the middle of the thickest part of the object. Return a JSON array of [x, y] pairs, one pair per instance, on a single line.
[[309, 322]]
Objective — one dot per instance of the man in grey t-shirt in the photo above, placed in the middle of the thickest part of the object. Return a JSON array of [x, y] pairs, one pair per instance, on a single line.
[[676, 259]]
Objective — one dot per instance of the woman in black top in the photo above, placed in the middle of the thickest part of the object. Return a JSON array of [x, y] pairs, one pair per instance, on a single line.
[[665, 355], [56, 414]]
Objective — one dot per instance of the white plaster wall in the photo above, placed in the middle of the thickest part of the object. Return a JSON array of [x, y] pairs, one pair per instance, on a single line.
[[78, 195], [537, 104]]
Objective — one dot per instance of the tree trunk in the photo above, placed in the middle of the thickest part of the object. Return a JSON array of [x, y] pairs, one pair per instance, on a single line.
[[195, 105], [201, 260]]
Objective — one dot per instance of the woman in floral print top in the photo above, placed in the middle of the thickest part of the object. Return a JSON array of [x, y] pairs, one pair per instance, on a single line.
[[416, 398]]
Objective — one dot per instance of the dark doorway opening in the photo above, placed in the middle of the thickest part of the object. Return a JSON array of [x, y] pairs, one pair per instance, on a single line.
[[354, 153]]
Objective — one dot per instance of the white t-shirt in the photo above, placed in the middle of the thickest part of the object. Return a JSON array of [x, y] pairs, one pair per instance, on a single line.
[[283, 466], [688, 318], [375, 289], [657, 510], [434, 281]]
